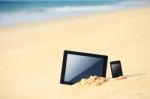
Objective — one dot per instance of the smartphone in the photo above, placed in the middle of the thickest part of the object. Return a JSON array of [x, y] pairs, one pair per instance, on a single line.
[[116, 69]]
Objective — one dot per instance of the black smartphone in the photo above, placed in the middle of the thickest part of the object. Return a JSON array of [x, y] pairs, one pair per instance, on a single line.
[[116, 69]]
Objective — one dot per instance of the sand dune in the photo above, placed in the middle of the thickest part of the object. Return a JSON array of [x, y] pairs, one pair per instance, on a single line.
[[31, 55]]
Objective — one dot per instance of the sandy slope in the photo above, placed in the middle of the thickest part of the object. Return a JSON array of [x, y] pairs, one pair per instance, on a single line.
[[31, 56]]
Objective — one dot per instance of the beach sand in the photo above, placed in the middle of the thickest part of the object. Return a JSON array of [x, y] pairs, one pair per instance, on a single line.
[[31, 55]]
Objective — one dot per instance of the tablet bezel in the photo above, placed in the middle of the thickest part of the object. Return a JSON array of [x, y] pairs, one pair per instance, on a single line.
[[66, 52]]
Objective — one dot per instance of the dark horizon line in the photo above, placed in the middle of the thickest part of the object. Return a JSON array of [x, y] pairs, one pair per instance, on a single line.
[[56, 0]]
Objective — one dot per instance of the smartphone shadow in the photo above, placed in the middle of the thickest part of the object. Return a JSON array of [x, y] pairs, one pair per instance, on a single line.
[[127, 76], [134, 75]]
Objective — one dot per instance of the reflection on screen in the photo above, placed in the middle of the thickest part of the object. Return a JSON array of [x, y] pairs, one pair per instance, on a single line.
[[78, 67]]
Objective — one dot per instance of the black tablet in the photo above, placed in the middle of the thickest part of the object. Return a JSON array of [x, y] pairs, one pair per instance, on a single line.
[[78, 65]]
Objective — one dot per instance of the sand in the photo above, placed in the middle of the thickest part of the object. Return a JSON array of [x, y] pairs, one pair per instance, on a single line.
[[31, 55], [95, 81], [91, 81]]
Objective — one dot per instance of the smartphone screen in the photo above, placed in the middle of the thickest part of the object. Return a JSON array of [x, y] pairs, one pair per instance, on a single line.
[[116, 69]]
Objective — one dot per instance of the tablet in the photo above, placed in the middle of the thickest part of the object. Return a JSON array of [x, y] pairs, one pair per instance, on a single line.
[[78, 65]]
